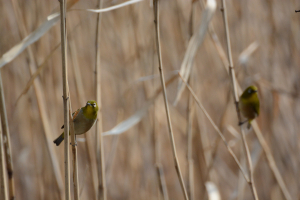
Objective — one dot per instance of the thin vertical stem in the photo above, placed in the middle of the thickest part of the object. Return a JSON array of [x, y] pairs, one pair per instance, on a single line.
[[74, 154], [157, 158], [6, 142], [157, 147], [177, 167], [65, 96], [236, 101], [3, 184], [99, 138], [190, 147], [190, 114], [162, 181]]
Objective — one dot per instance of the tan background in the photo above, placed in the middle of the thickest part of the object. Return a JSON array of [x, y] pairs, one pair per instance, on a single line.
[[127, 54]]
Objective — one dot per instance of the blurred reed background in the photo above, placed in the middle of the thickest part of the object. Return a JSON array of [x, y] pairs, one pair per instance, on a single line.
[[128, 53]]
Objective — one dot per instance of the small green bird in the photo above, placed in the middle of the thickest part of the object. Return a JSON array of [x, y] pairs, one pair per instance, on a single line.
[[83, 118], [249, 104]]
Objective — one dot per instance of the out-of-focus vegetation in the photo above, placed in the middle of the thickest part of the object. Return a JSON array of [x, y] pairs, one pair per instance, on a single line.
[[128, 53]]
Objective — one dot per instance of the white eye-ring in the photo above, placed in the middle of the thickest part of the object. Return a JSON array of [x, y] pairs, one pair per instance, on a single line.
[[94, 105]]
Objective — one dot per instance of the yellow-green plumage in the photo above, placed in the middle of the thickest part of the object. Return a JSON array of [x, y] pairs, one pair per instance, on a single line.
[[249, 104], [83, 119]]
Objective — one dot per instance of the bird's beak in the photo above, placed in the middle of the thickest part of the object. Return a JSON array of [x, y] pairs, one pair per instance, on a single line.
[[255, 90]]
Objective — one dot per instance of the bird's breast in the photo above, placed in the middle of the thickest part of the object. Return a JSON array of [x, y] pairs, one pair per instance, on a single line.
[[247, 110], [82, 124]]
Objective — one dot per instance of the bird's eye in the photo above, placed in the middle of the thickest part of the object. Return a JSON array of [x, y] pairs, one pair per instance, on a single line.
[[249, 91], [94, 105]]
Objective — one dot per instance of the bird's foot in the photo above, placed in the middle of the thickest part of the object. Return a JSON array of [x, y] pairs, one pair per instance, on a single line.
[[73, 144], [241, 123]]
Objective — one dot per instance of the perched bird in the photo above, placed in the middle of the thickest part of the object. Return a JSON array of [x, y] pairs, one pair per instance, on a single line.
[[249, 104], [83, 118]]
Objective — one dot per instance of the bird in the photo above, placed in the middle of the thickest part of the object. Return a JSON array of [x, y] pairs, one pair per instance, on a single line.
[[249, 104], [83, 119]]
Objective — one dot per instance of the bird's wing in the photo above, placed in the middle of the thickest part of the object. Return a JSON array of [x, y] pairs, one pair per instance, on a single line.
[[73, 115]]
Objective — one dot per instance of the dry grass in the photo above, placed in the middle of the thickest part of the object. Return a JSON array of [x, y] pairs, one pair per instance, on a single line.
[[127, 51]]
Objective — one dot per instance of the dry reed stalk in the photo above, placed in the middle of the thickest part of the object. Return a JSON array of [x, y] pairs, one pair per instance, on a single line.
[[216, 129], [157, 158], [156, 144], [65, 96], [3, 184], [74, 154], [190, 118], [99, 137], [156, 141], [236, 101], [191, 109], [177, 167], [190, 113], [81, 95], [41, 103], [241, 183], [162, 181], [6, 142], [202, 158]]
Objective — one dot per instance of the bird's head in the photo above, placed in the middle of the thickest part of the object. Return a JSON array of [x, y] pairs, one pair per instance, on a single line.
[[251, 90], [92, 105]]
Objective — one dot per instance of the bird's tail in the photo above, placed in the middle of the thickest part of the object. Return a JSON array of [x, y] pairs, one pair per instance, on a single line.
[[60, 138]]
